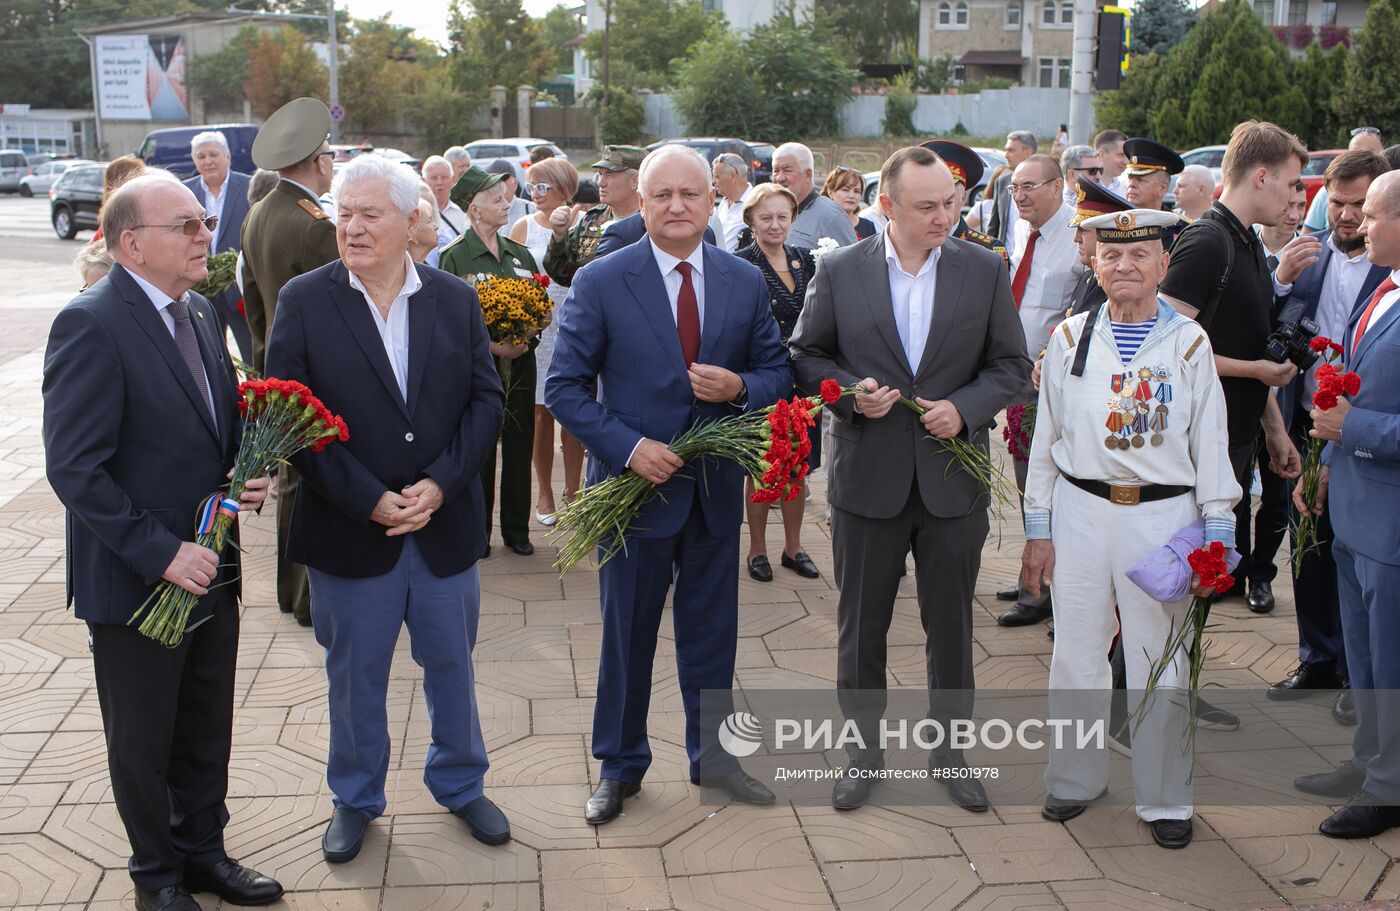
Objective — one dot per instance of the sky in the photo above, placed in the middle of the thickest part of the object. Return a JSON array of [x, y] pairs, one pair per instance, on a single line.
[[428, 18]]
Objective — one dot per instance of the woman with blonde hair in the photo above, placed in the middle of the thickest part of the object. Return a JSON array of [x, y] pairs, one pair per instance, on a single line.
[[846, 187], [552, 185]]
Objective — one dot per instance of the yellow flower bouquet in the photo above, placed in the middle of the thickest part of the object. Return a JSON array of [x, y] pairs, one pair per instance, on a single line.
[[514, 308]]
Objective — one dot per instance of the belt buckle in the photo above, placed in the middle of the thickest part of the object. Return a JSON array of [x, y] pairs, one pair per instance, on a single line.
[[1124, 496]]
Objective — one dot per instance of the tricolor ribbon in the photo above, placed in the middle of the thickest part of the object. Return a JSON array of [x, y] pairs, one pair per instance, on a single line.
[[209, 511]]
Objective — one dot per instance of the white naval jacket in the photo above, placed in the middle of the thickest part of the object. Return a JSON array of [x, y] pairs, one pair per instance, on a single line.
[[1163, 413]]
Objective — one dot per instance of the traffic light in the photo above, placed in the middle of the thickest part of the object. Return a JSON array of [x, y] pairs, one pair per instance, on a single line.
[[1111, 54]]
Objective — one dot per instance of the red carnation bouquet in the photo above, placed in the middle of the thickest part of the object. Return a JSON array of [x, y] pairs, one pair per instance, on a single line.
[[280, 418], [1331, 383], [1019, 430], [1210, 567]]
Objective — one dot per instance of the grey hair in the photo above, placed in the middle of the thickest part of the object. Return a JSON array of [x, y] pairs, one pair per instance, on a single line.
[[425, 193], [1201, 173], [432, 161], [457, 153], [400, 181], [261, 183], [209, 138], [734, 163], [665, 153], [1073, 157], [797, 151], [1025, 138], [93, 253]]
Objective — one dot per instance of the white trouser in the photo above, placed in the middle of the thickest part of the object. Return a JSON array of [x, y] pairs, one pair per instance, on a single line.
[[1096, 543]]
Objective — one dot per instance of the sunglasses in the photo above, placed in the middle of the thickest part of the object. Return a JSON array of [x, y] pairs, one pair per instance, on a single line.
[[190, 226], [1359, 130], [538, 189], [1092, 172]]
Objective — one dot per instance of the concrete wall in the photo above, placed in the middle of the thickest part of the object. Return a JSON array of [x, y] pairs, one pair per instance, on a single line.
[[992, 112]]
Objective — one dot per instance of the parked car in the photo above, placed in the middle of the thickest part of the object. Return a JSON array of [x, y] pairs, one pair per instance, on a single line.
[[1213, 156], [1315, 168], [991, 159], [75, 198], [1210, 156], [761, 162], [13, 168], [712, 148], [45, 174], [170, 148], [515, 149]]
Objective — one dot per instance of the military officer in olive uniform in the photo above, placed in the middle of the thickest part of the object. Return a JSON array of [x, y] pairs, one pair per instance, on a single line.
[[1149, 173], [967, 168], [571, 248], [286, 234], [483, 250]]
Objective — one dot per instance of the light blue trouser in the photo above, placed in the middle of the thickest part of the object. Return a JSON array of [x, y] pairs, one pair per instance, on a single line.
[[357, 621]]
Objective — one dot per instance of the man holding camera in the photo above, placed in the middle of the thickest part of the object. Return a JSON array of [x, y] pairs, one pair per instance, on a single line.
[[1326, 293]]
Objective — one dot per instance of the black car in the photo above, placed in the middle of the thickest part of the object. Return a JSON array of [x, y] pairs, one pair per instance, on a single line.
[[713, 148], [75, 199]]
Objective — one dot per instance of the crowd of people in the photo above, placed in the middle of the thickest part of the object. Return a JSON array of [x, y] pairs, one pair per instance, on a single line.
[[688, 293]]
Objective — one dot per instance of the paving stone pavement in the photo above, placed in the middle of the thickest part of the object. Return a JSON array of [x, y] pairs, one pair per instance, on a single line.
[[62, 847]]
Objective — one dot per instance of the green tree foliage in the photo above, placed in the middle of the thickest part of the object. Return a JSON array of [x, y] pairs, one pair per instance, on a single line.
[[900, 102], [558, 27], [282, 66], [648, 37], [1318, 75], [1369, 94], [622, 120], [494, 42], [784, 79], [1159, 25], [1130, 108], [880, 31], [217, 79]]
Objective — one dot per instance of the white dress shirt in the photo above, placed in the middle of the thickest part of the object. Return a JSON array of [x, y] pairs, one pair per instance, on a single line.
[[1390, 299], [672, 278], [452, 221], [1340, 288], [912, 299], [728, 220], [161, 301], [1055, 268], [214, 205], [394, 330]]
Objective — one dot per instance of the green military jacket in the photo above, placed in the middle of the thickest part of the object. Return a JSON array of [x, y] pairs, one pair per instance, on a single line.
[[286, 234], [562, 258], [467, 256]]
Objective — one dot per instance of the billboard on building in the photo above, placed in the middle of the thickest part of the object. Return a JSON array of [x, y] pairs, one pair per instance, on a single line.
[[141, 77]]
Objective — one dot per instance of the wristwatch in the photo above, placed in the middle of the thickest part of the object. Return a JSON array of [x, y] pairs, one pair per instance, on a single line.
[[742, 399]]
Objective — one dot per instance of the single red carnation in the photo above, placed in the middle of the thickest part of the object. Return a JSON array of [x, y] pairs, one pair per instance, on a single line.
[[1320, 343], [542, 279], [831, 391], [1324, 401], [1326, 370], [1335, 348], [1351, 383]]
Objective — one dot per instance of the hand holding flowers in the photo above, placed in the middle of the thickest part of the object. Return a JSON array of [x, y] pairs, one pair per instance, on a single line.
[[1329, 410]]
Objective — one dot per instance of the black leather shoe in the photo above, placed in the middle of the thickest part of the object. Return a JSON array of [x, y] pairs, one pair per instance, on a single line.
[[802, 565], [851, 791], [1171, 833], [1344, 709], [284, 608], [605, 803], [344, 835], [522, 549], [761, 569], [174, 897], [487, 823], [234, 883], [967, 793], [741, 786], [1303, 679], [1211, 718], [1024, 615], [1364, 816], [1343, 781], [1010, 593], [1061, 809], [1261, 597], [486, 552]]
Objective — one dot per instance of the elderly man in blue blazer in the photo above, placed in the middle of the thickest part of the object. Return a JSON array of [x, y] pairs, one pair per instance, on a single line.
[[389, 525], [1362, 490], [224, 194], [673, 331], [1328, 292]]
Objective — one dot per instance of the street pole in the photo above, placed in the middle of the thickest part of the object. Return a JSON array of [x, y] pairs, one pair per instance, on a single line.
[[1081, 80], [334, 66]]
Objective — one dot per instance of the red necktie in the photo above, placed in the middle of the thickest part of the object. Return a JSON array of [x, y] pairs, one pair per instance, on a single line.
[[1385, 288], [1023, 269], [687, 316]]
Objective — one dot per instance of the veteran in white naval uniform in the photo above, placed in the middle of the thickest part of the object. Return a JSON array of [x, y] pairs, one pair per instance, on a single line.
[[1130, 447]]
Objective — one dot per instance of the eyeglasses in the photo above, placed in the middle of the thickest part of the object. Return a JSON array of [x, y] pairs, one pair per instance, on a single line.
[[538, 189], [1021, 189], [1359, 130], [190, 226]]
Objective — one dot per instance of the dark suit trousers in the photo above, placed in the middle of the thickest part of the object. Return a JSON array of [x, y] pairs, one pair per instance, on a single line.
[[168, 717], [1315, 587], [633, 587], [517, 447], [869, 554], [1270, 523], [293, 587]]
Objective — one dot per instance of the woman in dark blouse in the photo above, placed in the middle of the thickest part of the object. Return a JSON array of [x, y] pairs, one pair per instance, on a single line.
[[846, 187], [769, 212]]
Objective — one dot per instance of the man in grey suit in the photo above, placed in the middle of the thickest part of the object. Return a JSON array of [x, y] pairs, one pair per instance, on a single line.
[[909, 311]]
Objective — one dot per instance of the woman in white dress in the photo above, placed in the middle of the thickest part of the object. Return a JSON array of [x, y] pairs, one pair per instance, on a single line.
[[552, 185]]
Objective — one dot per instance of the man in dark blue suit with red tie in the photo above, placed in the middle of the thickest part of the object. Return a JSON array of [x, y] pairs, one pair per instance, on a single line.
[[673, 331]]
